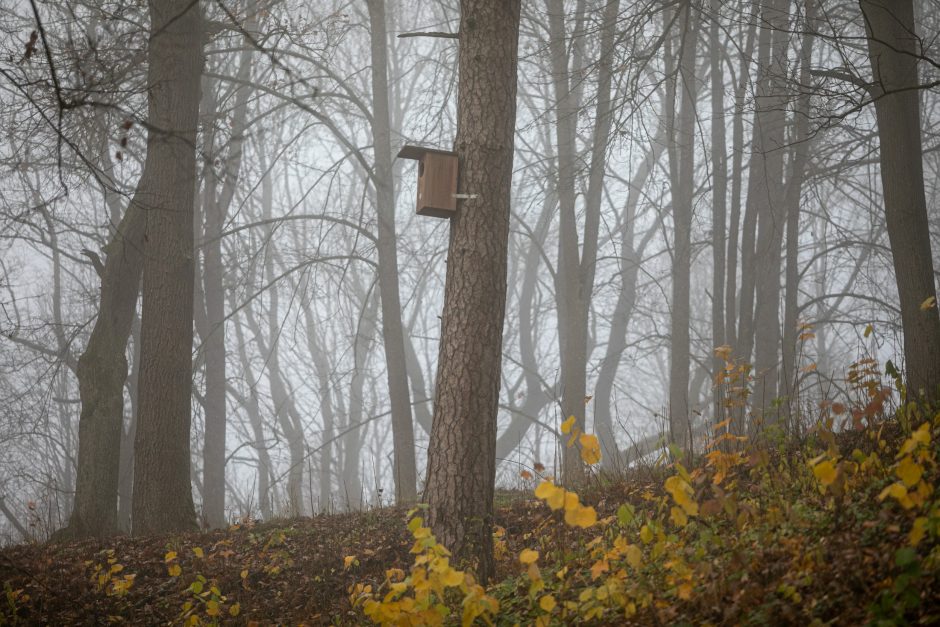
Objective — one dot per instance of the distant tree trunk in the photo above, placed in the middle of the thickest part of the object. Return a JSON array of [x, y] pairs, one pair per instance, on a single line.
[[252, 406], [216, 208], [737, 169], [719, 154], [536, 395], [461, 452], [403, 439], [574, 284], [799, 155], [163, 500], [126, 478], [632, 253], [351, 485], [770, 206], [682, 176], [893, 47], [321, 367]]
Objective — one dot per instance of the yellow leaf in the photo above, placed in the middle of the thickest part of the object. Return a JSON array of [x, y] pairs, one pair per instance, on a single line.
[[348, 561], [909, 471], [244, 574], [581, 516], [170, 556], [198, 552], [678, 517], [567, 424], [547, 603], [635, 556], [646, 534], [551, 494], [571, 501], [869, 330], [590, 448], [528, 556], [918, 531], [928, 303], [600, 567], [212, 607], [825, 472], [174, 570], [898, 492], [235, 610], [452, 578], [685, 591]]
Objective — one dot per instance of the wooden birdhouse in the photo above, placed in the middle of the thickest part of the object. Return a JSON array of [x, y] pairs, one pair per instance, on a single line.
[[437, 180]]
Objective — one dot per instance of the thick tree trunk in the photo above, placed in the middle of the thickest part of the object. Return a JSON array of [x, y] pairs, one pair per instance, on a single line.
[[403, 439], [163, 500], [461, 452], [893, 47]]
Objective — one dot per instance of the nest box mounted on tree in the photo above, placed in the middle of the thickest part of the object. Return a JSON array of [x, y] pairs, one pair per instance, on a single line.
[[437, 180]]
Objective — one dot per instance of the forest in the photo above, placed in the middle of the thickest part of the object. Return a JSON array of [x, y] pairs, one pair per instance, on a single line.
[[506, 312]]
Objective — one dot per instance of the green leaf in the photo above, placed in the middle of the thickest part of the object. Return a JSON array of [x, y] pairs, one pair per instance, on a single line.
[[904, 557], [626, 514]]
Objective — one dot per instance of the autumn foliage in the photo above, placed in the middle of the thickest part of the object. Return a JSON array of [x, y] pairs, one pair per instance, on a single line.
[[834, 521]]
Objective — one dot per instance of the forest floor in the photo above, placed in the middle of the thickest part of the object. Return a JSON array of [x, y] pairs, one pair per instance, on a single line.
[[840, 529]]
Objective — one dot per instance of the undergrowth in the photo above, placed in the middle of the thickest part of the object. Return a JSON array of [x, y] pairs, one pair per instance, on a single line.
[[832, 524]]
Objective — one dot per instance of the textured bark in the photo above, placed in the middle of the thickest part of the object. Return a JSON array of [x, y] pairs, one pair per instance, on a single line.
[[682, 179], [893, 47], [461, 451], [403, 439], [163, 500]]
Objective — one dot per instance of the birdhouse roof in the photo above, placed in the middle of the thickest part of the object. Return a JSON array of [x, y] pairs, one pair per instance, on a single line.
[[417, 152]]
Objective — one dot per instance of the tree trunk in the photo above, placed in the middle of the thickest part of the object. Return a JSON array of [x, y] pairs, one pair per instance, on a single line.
[[799, 155], [403, 439], [893, 48], [252, 405], [163, 500], [632, 254], [352, 439], [216, 209], [719, 154], [461, 452], [770, 206], [682, 175]]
